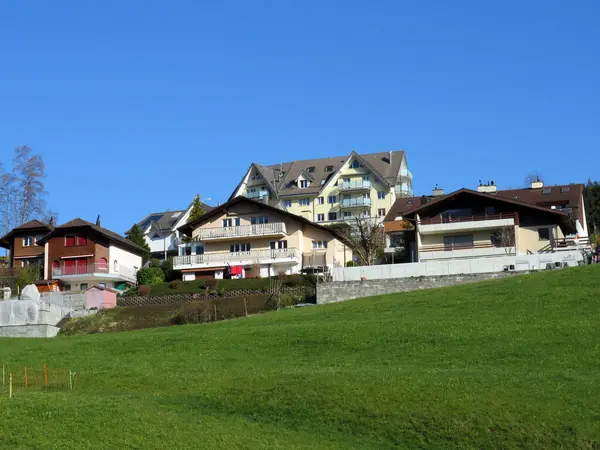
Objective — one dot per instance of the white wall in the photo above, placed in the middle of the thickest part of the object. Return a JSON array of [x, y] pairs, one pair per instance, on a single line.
[[457, 266], [124, 257]]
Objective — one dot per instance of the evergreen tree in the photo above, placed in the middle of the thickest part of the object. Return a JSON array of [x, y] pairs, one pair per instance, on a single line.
[[136, 236], [197, 208], [592, 206]]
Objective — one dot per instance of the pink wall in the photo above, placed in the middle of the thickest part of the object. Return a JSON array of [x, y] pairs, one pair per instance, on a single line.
[[98, 298]]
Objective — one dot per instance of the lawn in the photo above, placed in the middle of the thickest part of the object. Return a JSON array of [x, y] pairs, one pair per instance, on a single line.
[[511, 363]]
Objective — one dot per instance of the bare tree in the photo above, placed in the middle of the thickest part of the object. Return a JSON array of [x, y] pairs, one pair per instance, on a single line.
[[505, 238], [365, 237], [22, 192], [532, 177]]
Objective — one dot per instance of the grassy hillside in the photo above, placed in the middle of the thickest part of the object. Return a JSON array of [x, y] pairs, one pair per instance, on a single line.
[[501, 364]]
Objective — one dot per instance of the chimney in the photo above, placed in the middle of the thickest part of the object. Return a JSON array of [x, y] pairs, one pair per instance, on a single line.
[[537, 183], [98, 220], [437, 191], [390, 158], [488, 188]]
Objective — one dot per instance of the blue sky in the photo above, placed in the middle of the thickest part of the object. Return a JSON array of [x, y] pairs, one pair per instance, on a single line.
[[138, 105]]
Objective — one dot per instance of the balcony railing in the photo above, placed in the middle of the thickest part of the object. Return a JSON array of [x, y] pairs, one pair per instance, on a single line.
[[263, 229], [571, 243], [354, 202], [354, 185], [456, 219], [257, 194], [237, 257], [406, 173], [447, 251], [403, 191], [95, 269]]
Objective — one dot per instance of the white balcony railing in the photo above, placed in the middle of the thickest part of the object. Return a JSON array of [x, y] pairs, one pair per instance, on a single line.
[[251, 256], [456, 251], [406, 173], [263, 229], [353, 202], [75, 270], [354, 185], [257, 194]]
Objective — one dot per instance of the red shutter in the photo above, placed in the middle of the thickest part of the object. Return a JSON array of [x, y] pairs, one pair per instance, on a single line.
[[69, 267], [81, 265], [70, 241], [81, 240]]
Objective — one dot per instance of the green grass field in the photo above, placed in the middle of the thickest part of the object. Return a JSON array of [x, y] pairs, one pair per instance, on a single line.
[[513, 363]]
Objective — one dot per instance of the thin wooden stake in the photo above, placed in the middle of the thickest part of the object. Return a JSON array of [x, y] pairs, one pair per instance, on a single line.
[[26, 379], [215, 312], [45, 375], [70, 380], [3, 376], [10, 387], [246, 306]]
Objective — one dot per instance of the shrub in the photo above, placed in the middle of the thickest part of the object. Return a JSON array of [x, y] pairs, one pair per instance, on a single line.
[[222, 292], [256, 270], [192, 313], [350, 264], [150, 275], [167, 268], [144, 291], [213, 292], [175, 284], [295, 279], [282, 276], [154, 263], [28, 275], [211, 285]]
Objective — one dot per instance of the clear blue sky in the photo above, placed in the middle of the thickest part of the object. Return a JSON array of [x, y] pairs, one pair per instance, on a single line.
[[138, 105]]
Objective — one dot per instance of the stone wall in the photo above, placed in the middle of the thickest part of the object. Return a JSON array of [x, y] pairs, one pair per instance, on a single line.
[[339, 291], [29, 331]]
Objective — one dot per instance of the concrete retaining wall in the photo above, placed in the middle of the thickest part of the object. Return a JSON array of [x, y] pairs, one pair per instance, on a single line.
[[339, 291], [29, 331]]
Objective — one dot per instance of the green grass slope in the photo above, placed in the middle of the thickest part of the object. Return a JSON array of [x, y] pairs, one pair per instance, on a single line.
[[513, 363]]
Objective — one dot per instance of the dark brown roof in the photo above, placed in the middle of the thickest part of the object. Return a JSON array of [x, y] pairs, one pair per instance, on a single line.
[[32, 225], [413, 205], [111, 235], [281, 177], [190, 226]]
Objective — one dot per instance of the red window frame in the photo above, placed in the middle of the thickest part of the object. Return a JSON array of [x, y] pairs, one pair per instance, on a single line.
[[70, 240]]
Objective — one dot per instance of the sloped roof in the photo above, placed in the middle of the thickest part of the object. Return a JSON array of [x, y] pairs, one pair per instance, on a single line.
[[190, 226], [80, 223], [281, 177], [27, 226], [165, 220]]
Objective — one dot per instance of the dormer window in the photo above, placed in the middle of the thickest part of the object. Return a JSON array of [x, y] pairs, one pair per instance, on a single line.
[[303, 184], [328, 168], [564, 190], [310, 169], [546, 191], [356, 164]]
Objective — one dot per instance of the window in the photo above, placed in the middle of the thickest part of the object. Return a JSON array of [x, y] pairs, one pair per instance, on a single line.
[[564, 190], [257, 176], [311, 169], [83, 286], [278, 245], [304, 202], [366, 178], [259, 220], [156, 236], [347, 215], [69, 241], [81, 241], [320, 200], [332, 216], [346, 180], [332, 199], [546, 191], [102, 264], [381, 212], [75, 266], [303, 184], [356, 164], [328, 168], [229, 222], [320, 217], [456, 242], [55, 268], [67, 287], [319, 244], [544, 234], [27, 241], [381, 195], [236, 248], [287, 203]]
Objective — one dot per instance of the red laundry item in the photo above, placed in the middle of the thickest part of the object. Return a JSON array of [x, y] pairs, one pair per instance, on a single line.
[[236, 270]]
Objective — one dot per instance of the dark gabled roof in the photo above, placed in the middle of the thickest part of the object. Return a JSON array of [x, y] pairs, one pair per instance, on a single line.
[[32, 225], [164, 221], [80, 223], [190, 226], [432, 201]]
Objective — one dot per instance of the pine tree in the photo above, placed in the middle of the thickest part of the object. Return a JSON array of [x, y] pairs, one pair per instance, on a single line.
[[197, 208], [136, 236]]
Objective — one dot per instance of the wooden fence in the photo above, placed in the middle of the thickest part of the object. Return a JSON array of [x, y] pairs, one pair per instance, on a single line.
[[168, 299]]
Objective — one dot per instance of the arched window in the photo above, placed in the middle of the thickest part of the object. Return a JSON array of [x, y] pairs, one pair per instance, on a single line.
[[116, 265], [102, 264], [55, 268]]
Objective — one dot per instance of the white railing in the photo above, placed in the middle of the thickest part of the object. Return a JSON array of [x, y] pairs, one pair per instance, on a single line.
[[94, 269], [351, 202], [237, 257], [257, 194], [354, 185], [402, 190], [406, 173], [263, 229]]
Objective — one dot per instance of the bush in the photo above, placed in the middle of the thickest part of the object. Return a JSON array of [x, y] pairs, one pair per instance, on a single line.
[[28, 275], [175, 284], [211, 285], [150, 275], [294, 279], [222, 292], [192, 313], [282, 276], [154, 263], [213, 292], [167, 268], [350, 264], [144, 291]]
